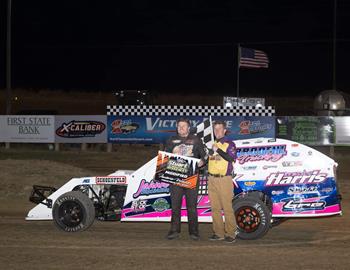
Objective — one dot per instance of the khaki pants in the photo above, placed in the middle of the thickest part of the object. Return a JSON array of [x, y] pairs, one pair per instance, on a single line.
[[220, 191]]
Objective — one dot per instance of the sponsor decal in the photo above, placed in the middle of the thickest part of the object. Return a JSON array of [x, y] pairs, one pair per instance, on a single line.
[[160, 205], [261, 153], [300, 206], [291, 178], [150, 188], [277, 192], [120, 126], [139, 205], [253, 127], [250, 183], [295, 154], [110, 180], [327, 190], [302, 190], [86, 181], [78, 129], [292, 163], [265, 167], [248, 168]]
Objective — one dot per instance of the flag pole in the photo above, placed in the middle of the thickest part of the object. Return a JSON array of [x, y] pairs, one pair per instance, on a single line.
[[238, 61], [211, 124]]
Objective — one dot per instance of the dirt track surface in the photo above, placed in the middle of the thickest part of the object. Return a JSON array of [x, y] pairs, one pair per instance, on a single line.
[[319, 243]]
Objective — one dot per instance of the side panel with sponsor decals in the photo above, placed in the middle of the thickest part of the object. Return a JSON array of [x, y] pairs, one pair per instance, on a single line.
[[147, 199], [299, 180]]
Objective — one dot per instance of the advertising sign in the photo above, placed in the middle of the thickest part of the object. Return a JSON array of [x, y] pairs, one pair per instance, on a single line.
[[157, 129], [27, 128], [249, 127], [343, 130], [177, 170], [81, 129], [311, 130]]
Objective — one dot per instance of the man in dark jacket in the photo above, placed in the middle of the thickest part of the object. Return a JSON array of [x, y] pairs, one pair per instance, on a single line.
[[189, 145]]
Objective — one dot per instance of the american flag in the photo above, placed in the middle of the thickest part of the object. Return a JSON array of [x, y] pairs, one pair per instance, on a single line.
[[205, 132], [251, 58]]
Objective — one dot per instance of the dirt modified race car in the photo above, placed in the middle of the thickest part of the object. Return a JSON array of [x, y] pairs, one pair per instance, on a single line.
[[274, 179]]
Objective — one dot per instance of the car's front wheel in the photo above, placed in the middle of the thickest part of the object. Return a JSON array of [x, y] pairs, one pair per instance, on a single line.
[[253, 217], [73, 212]]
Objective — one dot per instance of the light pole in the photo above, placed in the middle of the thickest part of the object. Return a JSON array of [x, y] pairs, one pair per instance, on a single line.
[[334, 78], [8, 59]]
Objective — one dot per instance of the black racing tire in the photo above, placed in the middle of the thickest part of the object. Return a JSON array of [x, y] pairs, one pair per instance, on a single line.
[[253, 217], [73, 212]]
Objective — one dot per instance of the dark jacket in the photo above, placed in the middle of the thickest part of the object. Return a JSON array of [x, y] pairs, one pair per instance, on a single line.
[[190, 146]]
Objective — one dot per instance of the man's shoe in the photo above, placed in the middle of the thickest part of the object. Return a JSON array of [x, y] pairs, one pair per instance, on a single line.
[[229, 239], [194, 237], [215, 237], [172, 235]]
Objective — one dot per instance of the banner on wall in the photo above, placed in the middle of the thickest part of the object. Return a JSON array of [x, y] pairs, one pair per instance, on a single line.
[[309, 130], [157, 129], [342, 124], [81, 129], [27, 128]]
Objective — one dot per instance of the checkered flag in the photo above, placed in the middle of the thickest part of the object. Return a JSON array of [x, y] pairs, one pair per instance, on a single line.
[[205, 132]]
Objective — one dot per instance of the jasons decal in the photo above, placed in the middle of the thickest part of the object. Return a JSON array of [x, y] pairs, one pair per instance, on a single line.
[[77, 129], [110, 180], [261, 153], [289, 178], [150, 188], [298, 206]]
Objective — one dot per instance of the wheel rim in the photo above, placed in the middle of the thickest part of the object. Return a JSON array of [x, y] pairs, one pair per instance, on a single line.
[[70, 213], [248, 219]]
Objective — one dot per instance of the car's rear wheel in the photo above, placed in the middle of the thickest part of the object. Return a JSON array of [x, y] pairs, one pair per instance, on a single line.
[[73, 212], [253, 217]]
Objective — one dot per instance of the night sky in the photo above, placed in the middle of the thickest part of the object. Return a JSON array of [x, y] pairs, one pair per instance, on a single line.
[[179, 46]]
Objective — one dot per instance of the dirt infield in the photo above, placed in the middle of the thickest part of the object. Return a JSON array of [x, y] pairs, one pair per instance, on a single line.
[[319, 243]]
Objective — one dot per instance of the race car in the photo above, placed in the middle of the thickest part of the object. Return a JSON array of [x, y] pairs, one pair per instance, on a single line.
[[275, 179]]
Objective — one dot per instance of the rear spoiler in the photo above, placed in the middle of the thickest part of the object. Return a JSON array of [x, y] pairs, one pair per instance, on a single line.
[[41, 193]]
